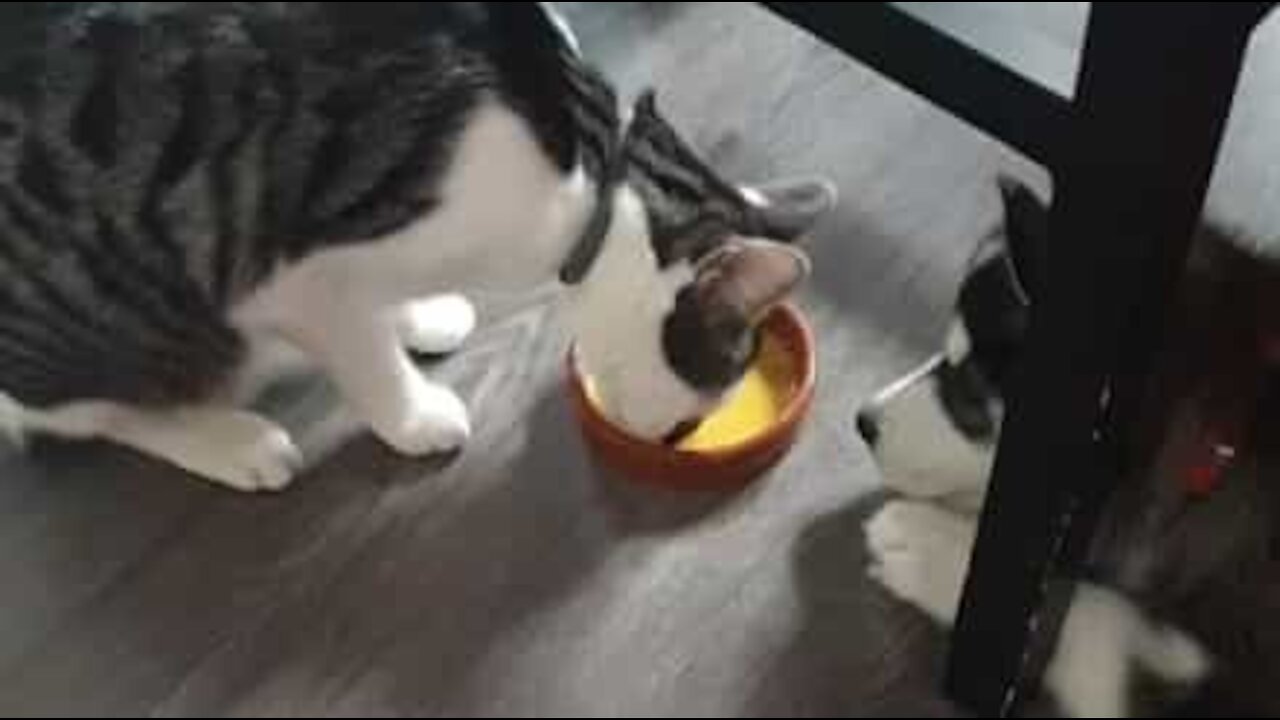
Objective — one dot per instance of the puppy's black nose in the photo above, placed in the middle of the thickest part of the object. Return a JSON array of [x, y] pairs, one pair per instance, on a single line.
[[868, 424]]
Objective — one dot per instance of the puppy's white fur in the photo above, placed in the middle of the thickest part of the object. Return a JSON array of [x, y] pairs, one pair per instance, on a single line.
[[922, 452], [920, 553]]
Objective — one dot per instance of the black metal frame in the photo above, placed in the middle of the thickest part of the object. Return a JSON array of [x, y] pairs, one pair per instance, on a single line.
[[1131, 156]]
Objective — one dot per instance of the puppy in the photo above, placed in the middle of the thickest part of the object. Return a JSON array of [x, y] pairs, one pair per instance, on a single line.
[[1173, 615]]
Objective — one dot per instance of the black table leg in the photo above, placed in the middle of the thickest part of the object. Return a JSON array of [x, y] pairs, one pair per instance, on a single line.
[[1154, 93]]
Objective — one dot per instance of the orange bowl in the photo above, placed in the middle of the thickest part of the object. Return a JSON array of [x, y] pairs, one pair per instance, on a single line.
[[719, 468]]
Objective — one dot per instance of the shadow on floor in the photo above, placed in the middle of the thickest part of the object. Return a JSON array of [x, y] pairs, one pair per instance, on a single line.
[[857, 652], [520, 551]]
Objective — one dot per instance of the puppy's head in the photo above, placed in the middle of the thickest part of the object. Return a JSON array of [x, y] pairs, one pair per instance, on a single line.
[[934, 432]]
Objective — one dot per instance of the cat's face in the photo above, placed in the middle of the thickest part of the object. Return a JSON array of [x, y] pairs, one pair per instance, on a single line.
[[668, 317]]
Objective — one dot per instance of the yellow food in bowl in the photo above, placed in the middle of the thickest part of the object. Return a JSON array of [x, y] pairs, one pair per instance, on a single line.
[[754, 407]]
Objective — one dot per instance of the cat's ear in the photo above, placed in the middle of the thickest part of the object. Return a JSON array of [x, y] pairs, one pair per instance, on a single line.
[[790, 208], [739, 282], [646, 105]]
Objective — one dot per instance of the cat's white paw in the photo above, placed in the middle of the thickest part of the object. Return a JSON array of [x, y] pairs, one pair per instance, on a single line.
[[237, 449], [254, 459], [436, 421], [437, 325], [920, 553]]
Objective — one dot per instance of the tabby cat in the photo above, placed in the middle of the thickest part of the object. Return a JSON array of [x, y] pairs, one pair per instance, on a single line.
[[185, 184]]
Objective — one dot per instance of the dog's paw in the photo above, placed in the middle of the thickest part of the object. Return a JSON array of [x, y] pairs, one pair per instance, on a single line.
[[920, 554]]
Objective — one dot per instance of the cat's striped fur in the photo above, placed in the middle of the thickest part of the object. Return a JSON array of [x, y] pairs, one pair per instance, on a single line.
[[166, 169], [157, 164]]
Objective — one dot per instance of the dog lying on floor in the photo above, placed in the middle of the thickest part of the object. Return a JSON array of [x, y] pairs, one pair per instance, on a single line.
[[1177, 614]]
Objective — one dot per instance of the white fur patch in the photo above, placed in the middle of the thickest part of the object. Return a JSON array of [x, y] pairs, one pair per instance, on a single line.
[[234, 448], [754, 196], [920, 553], [958, 345], [1089, 671], [11, 420], [919, 450], [436, 325], [1103, 637], [507, 219], [618, 312]]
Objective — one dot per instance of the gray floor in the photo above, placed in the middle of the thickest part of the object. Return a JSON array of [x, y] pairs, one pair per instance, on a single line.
[[519, 580]]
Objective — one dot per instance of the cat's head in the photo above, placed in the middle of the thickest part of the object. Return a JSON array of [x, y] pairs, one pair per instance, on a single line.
[[934, 432], [667, 317]]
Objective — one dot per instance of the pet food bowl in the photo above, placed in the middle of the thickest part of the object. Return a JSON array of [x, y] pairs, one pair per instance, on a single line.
[[734, 445]]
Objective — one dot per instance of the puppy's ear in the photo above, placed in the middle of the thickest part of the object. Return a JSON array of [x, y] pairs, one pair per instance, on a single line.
[[1026, 231]]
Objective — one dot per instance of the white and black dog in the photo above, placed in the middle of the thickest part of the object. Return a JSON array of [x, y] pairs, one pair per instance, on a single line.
[[1175, 614]]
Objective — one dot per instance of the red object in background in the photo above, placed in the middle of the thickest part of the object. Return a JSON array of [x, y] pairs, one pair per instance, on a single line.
[[1205, 477]]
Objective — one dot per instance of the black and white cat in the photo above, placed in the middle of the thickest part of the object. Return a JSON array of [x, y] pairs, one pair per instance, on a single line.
[[1179, 614], [183, 185]]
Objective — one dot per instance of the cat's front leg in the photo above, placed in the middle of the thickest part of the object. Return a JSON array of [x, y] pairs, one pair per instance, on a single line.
[[235, 448], [364, 355], [436, 325]]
